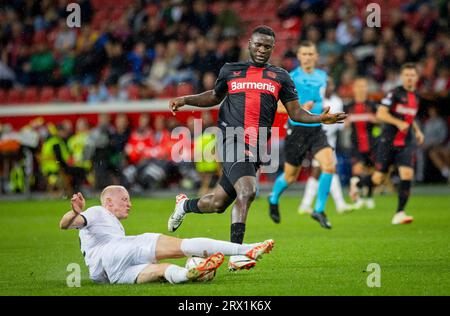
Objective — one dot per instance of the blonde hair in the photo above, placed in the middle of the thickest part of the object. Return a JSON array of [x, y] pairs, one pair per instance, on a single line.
[[106, 191]]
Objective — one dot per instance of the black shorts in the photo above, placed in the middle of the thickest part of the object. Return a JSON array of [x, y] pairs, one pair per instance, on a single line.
[[365, 158], [238, 158], [300, 140], [388, 155]]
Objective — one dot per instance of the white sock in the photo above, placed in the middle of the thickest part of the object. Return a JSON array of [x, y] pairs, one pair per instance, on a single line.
[[175, 274], [445, 172], [310, 192], [336, 191], [204, 247]]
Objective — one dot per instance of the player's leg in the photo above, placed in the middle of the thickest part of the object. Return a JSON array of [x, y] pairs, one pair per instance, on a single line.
[[175, 274], [406, 173], [311, 187], [172, 248], [216, 202], [338, 196], [297, 144], [327, 162], [288, 177]]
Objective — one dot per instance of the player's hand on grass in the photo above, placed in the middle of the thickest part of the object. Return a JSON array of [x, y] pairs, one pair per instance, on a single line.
[[176, 103], [327, 118], [78, 203], [403, 126]]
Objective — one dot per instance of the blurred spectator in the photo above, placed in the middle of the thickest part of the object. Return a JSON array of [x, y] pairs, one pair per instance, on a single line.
[[329, 46], [229, 22], [436, 132], [202, 18], [98, 149], [348, 29], [76, 145], [118, 141]]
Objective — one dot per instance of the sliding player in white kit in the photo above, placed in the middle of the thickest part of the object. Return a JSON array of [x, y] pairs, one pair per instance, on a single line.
[[112, 257], [312, 184]]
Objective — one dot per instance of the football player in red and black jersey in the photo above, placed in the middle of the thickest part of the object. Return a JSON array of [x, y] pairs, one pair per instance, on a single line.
[[361, 120], [397, 111], [250, 92]]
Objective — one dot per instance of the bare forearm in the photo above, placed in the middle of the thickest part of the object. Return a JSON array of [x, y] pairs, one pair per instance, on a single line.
[[388, 118], [68, 219], [300, 115], [205, 99]]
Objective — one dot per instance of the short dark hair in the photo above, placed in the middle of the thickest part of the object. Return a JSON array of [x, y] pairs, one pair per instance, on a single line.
[[306, 44], [409, 66], [263, 29]]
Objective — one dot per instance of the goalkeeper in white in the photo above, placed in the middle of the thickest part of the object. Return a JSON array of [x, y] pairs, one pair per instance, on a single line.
[[113, 257]]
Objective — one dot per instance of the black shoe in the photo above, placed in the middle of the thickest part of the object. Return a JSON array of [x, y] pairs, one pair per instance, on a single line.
[[274, 213], [322, 219]]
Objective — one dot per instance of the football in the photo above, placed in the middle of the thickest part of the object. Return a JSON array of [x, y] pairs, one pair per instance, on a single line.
[[193, 262]]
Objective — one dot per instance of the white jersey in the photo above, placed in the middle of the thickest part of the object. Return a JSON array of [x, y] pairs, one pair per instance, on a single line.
[[331, 130], [101, 228]]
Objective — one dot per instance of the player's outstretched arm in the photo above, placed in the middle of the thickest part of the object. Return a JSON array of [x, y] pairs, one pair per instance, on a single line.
[[206, 99], [298, 113], [384, 116], [73, 219]]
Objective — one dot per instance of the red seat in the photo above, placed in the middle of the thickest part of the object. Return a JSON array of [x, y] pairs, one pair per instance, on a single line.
[[2, 96], [64, 95], [133, 92], [31, 95], [14, 96], [184, 89], [168, 92], [47, 95]]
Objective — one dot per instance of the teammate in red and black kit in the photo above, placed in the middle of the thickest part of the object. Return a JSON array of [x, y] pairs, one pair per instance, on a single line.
[[250, 92], [396, 145], [361, 120]]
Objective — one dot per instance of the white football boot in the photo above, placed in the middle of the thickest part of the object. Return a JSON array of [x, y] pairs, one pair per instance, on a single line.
[[178, 215], [401, 218]]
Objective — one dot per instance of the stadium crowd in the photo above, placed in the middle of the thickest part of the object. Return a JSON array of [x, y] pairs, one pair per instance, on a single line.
[[132, 50]]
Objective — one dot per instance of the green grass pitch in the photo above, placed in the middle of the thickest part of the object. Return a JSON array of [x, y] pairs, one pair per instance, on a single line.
[[307, 259]]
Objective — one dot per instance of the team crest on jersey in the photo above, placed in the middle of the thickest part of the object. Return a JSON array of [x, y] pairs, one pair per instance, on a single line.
[[237, 73], [271, 74]]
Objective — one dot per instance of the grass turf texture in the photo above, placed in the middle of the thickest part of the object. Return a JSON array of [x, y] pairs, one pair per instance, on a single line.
[[307, 259]]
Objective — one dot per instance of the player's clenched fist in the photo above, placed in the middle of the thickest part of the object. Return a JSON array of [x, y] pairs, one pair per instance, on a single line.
[[176, 103], [328, 118], [77, 203]]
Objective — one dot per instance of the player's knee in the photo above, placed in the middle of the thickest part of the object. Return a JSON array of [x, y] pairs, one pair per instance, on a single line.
[[328, 166], [377, 178], [247, 194], [219, 206], [290, 178], [406, 174]]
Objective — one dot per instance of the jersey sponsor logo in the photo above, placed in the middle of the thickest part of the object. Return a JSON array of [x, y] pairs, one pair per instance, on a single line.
[[271, 74], [252, 86], [404, 110]]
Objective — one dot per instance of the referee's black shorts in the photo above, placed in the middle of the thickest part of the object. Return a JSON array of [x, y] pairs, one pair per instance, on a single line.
[[300, 140], [387, 155]]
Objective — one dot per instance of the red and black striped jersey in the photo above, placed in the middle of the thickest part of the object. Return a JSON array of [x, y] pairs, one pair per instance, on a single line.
[[403, 105], [251, 95], [361, 116]]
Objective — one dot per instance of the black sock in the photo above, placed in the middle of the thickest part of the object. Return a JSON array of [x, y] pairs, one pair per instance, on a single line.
[[370, 191], [403, 194], [237, 233], [191, 206]]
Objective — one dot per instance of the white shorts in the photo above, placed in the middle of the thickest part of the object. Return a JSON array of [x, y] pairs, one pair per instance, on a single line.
[[125, 258]]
